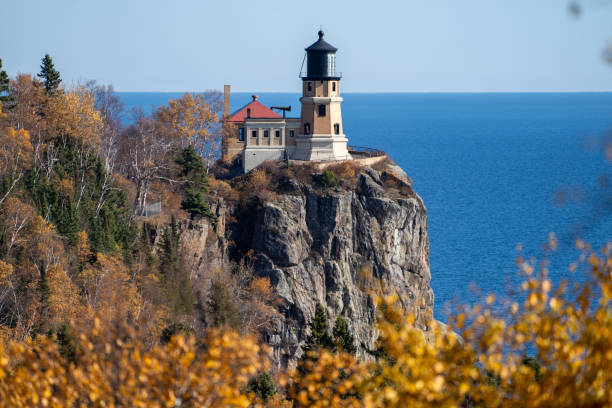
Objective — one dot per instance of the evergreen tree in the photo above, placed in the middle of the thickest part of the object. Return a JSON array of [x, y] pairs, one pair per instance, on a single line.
[[221, 308], [342, 336], [49, 75], [66, 341], [319, 332], [4, 85], [173, 272], [262, 386], [192, 170]]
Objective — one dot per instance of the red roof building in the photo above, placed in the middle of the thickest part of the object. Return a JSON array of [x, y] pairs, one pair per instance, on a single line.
[[253, 110]]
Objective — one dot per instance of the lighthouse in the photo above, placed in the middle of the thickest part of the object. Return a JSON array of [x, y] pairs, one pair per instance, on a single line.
[[321, 136]]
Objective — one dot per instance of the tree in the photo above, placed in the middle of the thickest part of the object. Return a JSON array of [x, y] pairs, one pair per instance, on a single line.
[[192, 171], [258, 307], [329, 178], [110, 108], [221, 308], [15, 159], [342, 336], [49, 75], [174, 329], [173, 272], [319, 332], [4, 85], [145, 151], [195, 121], [262, 386], [15, 220]]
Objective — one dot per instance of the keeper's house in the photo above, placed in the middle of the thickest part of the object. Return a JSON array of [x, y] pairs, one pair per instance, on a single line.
[[255, 133]]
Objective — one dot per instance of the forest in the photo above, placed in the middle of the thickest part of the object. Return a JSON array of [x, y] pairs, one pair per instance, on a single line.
[[97, 304]]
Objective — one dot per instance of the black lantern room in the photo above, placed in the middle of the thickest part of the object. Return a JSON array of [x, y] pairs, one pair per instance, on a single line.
[[321, 57]]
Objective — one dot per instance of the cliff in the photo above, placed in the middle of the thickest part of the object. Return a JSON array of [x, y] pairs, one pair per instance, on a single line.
[[329, 246]]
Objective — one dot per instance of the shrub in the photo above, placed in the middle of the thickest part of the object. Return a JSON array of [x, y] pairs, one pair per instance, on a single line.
[[329, 179], [174, 329]]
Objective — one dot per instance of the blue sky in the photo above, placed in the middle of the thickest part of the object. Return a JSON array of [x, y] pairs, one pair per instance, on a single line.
[[384, 46]]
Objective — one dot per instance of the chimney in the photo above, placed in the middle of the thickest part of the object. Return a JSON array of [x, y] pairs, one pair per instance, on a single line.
[[226, 100]]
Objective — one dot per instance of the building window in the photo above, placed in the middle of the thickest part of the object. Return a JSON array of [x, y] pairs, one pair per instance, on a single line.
[[277, 133], [321, 110], [310, 87], [291, 133], [253, 133], [248, 112], [333, 86], [266, 133], [306, 128], [337, 128], [331, 64], [241, 134]]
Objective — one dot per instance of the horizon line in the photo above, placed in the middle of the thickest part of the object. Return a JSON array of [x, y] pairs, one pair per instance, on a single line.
[[376, 92]]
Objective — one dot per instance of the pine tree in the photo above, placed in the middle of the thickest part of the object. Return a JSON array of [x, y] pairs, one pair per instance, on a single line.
[[319, 332], [4, 85], [49, 75], [174, 275], [342, 336], [192, 170], [262, 386], [221, 308]]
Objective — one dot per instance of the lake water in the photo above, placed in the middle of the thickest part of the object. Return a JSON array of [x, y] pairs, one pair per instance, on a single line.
[[488, 167]]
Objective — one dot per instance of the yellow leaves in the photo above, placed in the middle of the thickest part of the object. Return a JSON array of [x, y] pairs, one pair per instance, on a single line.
[[73, 114], [82, 246], [63, 296], [15, 147], [125, 373], [191, 119], [6, 272]]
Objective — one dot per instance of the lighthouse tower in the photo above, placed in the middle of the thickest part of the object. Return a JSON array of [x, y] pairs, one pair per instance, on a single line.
[[321, 136]]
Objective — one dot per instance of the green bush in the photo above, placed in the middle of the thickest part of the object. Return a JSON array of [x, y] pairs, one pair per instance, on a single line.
[[329, 179]]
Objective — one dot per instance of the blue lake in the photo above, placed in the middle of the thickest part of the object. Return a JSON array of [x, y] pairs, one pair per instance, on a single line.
[[488, 167]]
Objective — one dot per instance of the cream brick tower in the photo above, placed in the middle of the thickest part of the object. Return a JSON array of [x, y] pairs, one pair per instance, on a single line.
[[321, 137]]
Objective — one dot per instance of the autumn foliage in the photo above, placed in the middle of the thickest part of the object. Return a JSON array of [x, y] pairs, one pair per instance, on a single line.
[[97, 303]]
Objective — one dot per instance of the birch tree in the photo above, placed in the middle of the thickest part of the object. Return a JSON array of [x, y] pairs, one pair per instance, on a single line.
[[146, 151], [194, 121]]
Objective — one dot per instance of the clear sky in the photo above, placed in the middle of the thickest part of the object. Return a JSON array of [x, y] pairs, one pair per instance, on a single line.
[[398, 46]]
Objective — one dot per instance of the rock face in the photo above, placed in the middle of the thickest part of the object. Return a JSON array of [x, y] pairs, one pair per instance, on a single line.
[[334, 247]]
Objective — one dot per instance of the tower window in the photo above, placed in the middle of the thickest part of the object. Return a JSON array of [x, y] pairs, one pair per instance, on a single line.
[[248, 112], [306, 128], [291, 133], [241, 134], [321, 110], [266, 133], [333, 86], [277, 133], [310, 87], [337, 128], [253, 133], [331, 64]]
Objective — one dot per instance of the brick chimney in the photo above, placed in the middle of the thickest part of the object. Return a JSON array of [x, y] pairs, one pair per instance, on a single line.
[[226, 100]]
